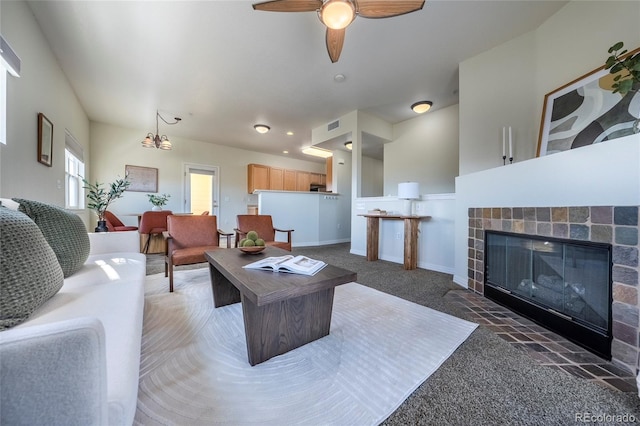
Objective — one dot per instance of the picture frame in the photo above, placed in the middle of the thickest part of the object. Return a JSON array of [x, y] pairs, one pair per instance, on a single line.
[[584, 112], [45, 140], [143, 179]]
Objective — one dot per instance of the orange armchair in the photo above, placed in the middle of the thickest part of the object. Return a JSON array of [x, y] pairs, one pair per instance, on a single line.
[[188, 237], [114, 224], [263, 225], [153, 223]]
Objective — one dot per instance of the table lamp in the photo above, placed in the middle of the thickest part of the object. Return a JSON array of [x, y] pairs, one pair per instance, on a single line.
[[408, 191]]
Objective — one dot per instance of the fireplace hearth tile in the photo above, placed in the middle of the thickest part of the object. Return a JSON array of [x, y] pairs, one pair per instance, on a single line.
[[560, 230], [627, 256], [530, 213], [574, 370], [579, 232], [626, 235], [602, 214], [578, 214], [601, 233], [625, 215], [624, 275], [543, 214], [621, 384], [559, 214]]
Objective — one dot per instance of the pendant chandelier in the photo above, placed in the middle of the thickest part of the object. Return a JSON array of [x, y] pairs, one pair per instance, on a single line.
[[157, 141]]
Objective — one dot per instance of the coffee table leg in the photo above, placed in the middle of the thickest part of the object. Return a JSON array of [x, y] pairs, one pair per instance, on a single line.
[[282, 326], [224, 293]]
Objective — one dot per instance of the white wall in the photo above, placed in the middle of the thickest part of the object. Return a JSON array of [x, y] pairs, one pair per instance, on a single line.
[[372, 177], [114, 147], [424, 150], [42, 87], [435, 237], [315, 217], [505, 86]]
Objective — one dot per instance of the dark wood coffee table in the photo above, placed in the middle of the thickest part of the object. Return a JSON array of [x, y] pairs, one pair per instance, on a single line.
[[281, 311]]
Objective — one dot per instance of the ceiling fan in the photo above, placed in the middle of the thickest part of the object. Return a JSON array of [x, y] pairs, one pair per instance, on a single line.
[[336, 15]]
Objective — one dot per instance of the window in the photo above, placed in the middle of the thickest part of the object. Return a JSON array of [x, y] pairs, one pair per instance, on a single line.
[[3, 104], [9, 63], [73, 173]]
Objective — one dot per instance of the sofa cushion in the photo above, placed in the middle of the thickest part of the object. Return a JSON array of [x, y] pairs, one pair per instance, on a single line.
[[29, 271], [65, 232]]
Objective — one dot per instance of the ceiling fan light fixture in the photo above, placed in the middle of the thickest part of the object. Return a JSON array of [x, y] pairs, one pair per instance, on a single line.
[[262, 128], [337, 14], [348, 145], [421, 107]]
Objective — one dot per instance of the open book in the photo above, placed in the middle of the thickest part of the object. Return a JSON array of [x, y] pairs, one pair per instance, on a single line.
[[288, 263]]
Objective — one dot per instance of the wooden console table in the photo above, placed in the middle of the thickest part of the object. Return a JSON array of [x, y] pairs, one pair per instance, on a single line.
[[410, 237]]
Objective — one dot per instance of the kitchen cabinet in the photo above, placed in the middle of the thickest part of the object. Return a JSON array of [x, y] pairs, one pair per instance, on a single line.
[[289, 180], [276, 178], [303, 180], [261, 177], [257, 177], [315, 178], [329, 176]]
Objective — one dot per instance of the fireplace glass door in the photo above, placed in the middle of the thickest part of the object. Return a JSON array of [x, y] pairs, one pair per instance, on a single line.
[[566, 278]]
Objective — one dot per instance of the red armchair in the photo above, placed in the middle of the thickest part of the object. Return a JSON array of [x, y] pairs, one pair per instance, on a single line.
[[153, 223], [188, 237], [263, 225], [115, 224]]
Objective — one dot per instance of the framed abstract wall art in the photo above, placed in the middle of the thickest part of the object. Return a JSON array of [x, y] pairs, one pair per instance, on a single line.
[[585, 112]]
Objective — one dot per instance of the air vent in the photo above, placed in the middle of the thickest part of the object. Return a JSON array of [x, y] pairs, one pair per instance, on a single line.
[[334, 125]]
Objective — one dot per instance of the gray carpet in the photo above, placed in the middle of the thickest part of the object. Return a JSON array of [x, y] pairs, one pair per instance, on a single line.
[[485, 381]]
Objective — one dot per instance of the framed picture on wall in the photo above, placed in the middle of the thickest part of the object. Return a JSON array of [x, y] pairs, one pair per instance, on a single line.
[[585, 112], [45, 140], [143, 179]]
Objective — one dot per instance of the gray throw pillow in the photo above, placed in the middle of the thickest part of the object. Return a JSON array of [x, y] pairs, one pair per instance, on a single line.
[[65, 232], [29, 271]]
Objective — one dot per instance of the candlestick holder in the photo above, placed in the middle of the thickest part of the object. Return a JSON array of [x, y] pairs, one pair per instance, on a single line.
[[504, 160]]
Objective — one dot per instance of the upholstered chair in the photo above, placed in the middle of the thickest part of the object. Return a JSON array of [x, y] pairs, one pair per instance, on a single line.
[[153, 223], [188, 237], [263, 225], [115, 224]]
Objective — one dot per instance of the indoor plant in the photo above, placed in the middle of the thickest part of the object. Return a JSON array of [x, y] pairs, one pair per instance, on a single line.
[[158, 200], [626, 68], [100, 198]]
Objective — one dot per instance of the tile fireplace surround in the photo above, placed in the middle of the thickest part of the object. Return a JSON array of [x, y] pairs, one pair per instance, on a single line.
[[615, 225]]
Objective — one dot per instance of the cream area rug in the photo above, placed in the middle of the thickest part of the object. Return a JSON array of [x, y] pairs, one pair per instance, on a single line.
[[194, 368]]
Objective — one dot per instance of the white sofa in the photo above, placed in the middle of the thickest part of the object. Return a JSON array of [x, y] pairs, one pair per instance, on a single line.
[[76, 359]]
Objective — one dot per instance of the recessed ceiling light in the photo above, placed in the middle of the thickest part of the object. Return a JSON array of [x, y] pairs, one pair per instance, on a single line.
[[285, 152], [289, 133], [339, 78], [262, 128], [421, 107]]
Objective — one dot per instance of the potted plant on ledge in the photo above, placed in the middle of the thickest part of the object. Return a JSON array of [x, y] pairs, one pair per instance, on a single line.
[[158, 201], [100, 198], [626, 68]]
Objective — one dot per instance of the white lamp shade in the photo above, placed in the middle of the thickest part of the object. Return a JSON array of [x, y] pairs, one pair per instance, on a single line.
[[408, 191]]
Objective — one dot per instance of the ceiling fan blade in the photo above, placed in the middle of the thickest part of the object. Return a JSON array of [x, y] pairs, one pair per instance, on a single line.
[[289, 5], [387, 8], [335, 40]]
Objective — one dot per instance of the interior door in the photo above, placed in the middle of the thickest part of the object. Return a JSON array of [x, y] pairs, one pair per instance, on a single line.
[[201, 189]]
